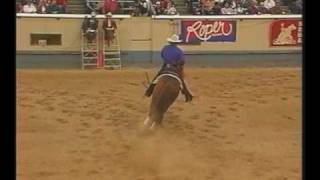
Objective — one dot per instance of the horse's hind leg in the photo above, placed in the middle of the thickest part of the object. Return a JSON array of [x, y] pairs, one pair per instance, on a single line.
[[156, 120], [147, 122], [153, 120]]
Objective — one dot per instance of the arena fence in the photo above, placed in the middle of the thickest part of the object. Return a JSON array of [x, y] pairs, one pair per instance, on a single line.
[[207, 39]]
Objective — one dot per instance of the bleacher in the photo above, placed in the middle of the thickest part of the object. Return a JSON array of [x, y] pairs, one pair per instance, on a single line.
[[77, 6], [181, 7], [130, 7], [127, 6], [124, 6]]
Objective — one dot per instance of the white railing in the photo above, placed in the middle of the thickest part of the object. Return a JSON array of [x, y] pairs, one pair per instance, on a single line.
[[69, 16], [264, 16], [120, 16]]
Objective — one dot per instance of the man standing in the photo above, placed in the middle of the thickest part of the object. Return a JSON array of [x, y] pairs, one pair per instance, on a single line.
[[89, 27], [173, 58], [109, 26]]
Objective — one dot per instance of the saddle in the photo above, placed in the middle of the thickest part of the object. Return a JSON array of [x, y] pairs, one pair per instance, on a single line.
[[172, 69], [174, 72]]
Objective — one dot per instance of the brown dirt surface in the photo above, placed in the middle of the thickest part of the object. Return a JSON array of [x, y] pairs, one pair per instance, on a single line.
[[244, 124]]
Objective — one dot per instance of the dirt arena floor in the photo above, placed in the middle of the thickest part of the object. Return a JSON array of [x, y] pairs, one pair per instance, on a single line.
[[244, 124]]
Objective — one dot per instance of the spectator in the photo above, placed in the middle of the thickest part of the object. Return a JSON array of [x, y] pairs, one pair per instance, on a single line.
[[19, 7], [109, 6], [29, 7], [197, 10], [163, 4], [244, 3], [143, 8], [109, 26], [171, 10], [220, 1], [277, 9], [63, 5], [23, 2], [53, 7], [42, 7], [92, 6], [216, 10], [146, 8], [89, 27], [150, 9], [296, 7], [268, 5], [207, 7], [157, 8], [233, 4], [240, 9], [227, 9], [253, 8]]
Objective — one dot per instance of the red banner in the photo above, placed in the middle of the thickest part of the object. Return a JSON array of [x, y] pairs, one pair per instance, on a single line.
[[286, 33]]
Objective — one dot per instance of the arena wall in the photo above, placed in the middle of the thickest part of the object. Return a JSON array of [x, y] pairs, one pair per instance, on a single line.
[[141, 39]]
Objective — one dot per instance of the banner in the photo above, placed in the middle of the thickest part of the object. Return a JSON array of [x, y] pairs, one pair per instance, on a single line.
[[208, 31], [286, 33]]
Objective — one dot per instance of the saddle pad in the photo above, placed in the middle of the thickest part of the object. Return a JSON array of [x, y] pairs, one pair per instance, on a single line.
[[171, 75]]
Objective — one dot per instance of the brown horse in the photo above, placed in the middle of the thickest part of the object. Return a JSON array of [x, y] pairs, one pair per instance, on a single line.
[[164, 94]]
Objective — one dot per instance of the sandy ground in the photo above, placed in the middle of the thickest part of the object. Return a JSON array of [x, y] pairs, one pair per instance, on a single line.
[[244, 124]]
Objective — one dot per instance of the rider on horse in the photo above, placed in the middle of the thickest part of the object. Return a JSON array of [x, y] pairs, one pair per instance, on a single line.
[[174, 61]]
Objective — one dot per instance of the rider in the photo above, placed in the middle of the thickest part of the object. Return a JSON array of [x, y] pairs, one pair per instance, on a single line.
[[173, 57]]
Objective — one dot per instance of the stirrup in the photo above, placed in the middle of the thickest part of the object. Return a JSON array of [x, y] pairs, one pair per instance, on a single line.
[[149, 91]]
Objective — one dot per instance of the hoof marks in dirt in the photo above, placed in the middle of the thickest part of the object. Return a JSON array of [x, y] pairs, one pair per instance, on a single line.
[[261, 101], [130, 106], [220, 115], [87, 125], [85, 151], [79, 130], [83, 137], [196, 116], [229, 142], [189, 126], [179, 109], [97, 131], [92, 172], [62, 121], [45, 173], [219, 136], [233, 109], [26, 105], [65, 111], [78, 160], [213, 126], [205, 130]]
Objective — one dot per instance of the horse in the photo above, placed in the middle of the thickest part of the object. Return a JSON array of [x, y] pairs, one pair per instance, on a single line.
[[166, 91]]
